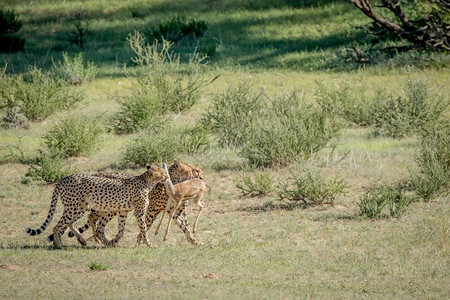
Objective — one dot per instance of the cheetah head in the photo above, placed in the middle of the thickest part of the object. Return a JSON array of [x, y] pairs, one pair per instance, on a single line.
[[156, 174], [180, 171]]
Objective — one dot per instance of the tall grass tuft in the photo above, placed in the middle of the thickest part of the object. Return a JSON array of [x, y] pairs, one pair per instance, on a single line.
[[233, 113], [73, 136]]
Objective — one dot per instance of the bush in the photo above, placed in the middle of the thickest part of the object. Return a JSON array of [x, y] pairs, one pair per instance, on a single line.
[[49, 167], [433, 160], [177, 87], [80, 28], [389, 114], [288, 131], [379, 197], [195, 139], [9, 25], [73, 137], [151, 148], [176, 29], [96, 266], [138, 111], [399, 116], [73, 70], [232, 114], [349, 103], [311, 187], [259, 184], [38, 95], [14, 119]]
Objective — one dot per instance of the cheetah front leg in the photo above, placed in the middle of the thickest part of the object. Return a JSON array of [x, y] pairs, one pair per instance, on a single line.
[[141, 205]]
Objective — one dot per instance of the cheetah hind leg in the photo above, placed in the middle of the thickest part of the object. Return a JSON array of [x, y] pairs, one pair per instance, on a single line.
[[77, 234]]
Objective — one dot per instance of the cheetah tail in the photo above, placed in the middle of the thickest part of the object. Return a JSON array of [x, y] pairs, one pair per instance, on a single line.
[[51, 212]]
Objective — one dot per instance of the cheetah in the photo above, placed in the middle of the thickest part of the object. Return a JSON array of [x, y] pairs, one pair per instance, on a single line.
[[80, 193], [158, 198], [192, 189]]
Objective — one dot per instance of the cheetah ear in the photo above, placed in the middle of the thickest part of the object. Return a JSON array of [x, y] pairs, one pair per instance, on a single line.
[[176, 163], [149, 167]]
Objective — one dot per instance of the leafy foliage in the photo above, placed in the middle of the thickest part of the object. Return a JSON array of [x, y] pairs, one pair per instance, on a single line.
[[311, 187], [9, 25], [73, 70], [138, 111], [433, 160], [38, 95], [80, 28], [289, 130], [378, 197], [195, 139], [176, 29], [172, 84], [232, 114], [96, 266], [150, 148], [259, 184], [49, 167], [74, 136]]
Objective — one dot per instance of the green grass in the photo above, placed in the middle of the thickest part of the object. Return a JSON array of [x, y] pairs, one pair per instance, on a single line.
[[254, 247]]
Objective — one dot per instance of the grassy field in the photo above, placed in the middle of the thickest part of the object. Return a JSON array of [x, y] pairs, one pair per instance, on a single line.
[[253, 247]]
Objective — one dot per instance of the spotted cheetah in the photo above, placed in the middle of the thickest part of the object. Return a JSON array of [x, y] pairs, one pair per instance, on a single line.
[[179, 171], [80, 193]]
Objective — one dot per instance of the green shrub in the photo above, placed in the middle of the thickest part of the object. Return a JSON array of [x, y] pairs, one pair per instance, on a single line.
[[38, 95], [288, 131], [14, 119], [138, 111], [151, 148], [195, 139], [259, 184], [177, 87], [399, 116], [96, 266], [350, 103], [433, 160], [232, 114], [49, 167], [73, 70], [177, 29], [9, 26], [390, 114], [311, 187], [80, 28], [378, 197], [73, 137]]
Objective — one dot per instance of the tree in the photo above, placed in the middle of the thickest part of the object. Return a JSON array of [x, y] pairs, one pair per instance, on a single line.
[[9, 25], [424, 23]]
